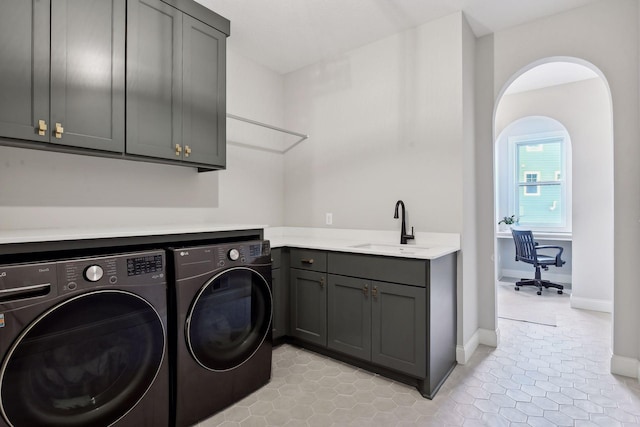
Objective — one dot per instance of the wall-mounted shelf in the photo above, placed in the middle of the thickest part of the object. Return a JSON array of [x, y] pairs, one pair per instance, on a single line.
[[278, 147]]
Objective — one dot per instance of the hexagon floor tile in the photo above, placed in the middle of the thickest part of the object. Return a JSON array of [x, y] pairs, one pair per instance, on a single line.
[[539, 375]]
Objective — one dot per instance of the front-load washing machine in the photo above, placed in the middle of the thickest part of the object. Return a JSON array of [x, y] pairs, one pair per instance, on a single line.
[[222, 329], [83, 342]]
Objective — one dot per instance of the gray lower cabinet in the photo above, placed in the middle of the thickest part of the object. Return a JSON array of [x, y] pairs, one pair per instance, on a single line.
[[63, 72], [176, 77], [349, 316], [399, 327], [396, 315], [308, 306], [280, 293], [384, 323]]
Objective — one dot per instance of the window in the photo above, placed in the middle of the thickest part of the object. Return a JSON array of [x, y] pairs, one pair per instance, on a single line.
[[538, 188], [529, 189]]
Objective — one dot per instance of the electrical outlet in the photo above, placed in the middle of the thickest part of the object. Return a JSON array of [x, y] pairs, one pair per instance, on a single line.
[[329, 218]]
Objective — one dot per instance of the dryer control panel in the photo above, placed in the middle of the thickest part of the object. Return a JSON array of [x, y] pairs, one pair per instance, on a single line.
[[201, 259]]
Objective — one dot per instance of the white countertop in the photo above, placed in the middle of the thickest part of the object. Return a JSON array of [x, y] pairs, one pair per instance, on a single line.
[[539, 235], [424, 246], [58, 234]]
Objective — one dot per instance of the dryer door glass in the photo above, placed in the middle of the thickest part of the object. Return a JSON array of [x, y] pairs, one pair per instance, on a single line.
[[229, 319], [85, 362]]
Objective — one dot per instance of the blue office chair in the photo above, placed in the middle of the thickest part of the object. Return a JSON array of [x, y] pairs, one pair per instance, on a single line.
[[527, 251]]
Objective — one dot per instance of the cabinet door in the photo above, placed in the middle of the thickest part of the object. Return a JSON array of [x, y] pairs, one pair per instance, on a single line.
[[203, 93], [87, 73], [349, 316], [399, 327], [154, 79], [308, 306], [24, 68]]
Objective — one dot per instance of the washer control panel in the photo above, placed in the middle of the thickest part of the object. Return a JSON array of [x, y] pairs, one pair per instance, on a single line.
[[122, 270]]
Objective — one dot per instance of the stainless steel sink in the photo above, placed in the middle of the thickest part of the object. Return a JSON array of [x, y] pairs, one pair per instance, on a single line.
[[392, 249]]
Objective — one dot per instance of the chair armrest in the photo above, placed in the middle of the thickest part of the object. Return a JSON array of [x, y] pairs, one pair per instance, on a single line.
[[560, 249]]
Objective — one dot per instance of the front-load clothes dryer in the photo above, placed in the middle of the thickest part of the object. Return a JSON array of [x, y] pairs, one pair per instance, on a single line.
[[223, 309], [83, 342]]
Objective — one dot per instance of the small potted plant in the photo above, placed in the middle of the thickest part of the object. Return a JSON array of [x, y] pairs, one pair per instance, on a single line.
[[507, 221]]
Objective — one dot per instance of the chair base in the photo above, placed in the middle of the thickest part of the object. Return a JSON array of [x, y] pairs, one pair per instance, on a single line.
[[539, 283]]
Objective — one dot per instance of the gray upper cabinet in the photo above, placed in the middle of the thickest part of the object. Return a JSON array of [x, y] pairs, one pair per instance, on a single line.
[[24, 31], [64, 81], [203, 93], [154, 79], [63, 72], [176, 77]]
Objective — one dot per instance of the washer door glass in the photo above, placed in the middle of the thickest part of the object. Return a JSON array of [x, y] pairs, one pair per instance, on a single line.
[[229, 319], [85, 362]]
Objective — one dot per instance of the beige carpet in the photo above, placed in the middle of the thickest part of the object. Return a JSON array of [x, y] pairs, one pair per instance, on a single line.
[[527, 306]]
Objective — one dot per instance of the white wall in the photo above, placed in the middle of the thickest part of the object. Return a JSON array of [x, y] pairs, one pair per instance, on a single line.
[[606, 35], [41, 189], [468, 260], [385, 124], [584, 109], [252, 186], [488, 332]]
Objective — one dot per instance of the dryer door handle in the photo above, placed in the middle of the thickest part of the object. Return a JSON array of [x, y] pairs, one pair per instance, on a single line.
[[24, 292]]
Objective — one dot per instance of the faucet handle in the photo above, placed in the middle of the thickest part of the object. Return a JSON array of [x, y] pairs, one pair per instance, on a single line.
[[410, 236]]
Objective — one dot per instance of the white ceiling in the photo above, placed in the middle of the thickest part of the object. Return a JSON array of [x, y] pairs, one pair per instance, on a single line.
[[285, 35], [550, 74]]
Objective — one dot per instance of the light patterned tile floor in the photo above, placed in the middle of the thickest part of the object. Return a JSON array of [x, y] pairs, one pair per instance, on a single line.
[[538, 376]]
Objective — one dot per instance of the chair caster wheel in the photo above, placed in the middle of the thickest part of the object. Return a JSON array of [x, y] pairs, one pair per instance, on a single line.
[[517, 288], [559, 292], [539, 292]]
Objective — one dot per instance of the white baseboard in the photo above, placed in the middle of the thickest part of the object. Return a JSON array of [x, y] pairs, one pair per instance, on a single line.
[[625, 366], [464, 352], [547, 275], [489, 338], [591, 304], [480, 336]]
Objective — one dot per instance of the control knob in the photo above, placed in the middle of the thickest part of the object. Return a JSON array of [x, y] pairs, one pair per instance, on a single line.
[[93, 273], [233, 254]]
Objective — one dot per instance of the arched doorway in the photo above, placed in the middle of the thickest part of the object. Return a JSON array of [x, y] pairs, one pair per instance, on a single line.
[[574, 93]]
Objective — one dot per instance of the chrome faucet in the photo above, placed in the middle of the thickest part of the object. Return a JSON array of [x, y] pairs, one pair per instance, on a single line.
[[403, 232]]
